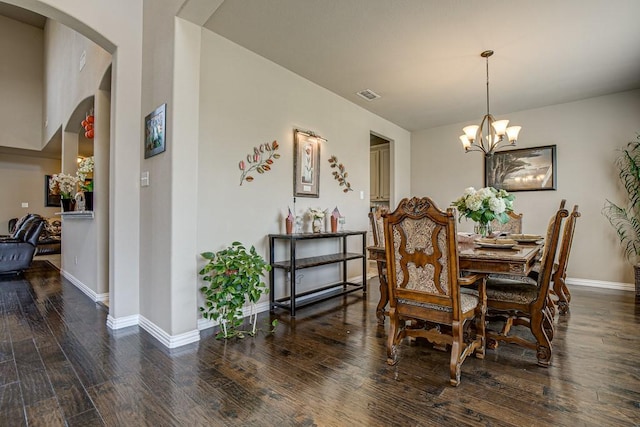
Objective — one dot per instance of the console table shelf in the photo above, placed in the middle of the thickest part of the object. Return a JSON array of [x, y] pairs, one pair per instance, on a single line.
[[292, 264]]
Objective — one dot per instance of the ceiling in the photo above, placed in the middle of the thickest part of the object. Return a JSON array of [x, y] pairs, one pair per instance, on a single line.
[[423, 56]]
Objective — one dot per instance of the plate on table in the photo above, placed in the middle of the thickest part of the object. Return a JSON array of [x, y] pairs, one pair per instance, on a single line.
[[496, 243], [525, 238]]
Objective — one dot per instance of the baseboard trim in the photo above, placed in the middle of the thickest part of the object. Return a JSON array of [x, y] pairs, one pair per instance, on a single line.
[[246, 311], [122, 322], [264, 306], [602, 284], [95, 297], [169, 341]]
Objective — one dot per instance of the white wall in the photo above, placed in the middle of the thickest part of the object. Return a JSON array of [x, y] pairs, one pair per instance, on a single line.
[[587, 134], [247, 100], [21, 81]]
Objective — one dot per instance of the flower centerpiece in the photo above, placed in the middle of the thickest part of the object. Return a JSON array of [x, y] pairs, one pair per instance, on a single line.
[[316, 215], [65, 185], [483, 206], [85, 167]]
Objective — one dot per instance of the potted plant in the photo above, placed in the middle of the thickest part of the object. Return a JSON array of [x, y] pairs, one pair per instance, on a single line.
[[626, 220], [65, 185], [234, 276]]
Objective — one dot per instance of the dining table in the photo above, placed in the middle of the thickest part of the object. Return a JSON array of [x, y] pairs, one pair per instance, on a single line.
[[515, 260]]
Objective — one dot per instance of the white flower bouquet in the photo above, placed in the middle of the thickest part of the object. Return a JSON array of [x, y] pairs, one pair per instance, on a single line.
[[64, 184], [485, 205], [85, 167], [317, 213]]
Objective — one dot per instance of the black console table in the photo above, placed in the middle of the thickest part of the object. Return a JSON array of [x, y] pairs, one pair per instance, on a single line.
[[292, 264]]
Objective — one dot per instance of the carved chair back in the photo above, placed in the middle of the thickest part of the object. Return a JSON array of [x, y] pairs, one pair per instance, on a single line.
[[513, 226], [422, 254], [377, 227], [560, 273], [424, 283]]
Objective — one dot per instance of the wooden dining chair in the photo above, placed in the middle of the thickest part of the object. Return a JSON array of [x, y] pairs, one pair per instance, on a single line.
[[518, 303], [424, 283], [513, 226], [375, 219], [560, 289]]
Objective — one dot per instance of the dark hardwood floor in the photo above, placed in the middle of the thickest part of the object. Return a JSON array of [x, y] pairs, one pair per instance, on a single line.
[[61, 365]]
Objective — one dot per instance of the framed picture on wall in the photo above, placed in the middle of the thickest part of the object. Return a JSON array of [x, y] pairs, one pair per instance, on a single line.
[[50, 199], [306, 164], [155, 131], [525, 169]]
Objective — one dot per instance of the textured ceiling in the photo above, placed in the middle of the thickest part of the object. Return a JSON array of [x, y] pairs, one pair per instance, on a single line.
[[423, 56]]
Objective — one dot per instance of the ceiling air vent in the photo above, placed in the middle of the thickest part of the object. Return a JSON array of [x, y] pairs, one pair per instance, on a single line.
[[368, 94]]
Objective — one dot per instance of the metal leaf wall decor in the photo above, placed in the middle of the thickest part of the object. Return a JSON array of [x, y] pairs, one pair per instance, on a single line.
[[259, 161], [340, 175]]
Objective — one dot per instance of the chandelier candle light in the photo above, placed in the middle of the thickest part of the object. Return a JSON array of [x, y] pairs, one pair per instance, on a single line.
[[491, 133]]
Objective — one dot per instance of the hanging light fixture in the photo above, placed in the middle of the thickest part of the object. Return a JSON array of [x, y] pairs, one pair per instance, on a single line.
[[490, 135]]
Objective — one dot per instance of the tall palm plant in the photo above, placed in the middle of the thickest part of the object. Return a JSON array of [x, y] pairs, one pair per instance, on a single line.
[[626, 221]]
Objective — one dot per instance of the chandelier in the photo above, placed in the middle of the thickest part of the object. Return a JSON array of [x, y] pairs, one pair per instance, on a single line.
[[490, 135]]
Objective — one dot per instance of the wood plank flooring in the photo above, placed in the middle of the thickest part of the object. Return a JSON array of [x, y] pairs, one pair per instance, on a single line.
[[61, 365]]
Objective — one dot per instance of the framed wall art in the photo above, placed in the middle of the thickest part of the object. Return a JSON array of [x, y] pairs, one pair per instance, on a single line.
[[155, 132], [50, 199], [306, 164], [525, 169]]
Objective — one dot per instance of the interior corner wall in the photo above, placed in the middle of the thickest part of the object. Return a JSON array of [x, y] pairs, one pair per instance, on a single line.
[[246, 101], [155, 200], [587, 134], [21, 81]]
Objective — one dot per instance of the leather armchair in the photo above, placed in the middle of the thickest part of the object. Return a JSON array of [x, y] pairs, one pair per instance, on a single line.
[[16, 252]]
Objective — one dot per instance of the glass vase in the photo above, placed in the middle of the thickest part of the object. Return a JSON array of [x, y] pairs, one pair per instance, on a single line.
[[317, 225], [483, 229]]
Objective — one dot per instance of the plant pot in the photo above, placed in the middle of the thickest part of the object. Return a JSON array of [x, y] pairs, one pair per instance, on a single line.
[[88, 200], [636, 270], [67, 205]]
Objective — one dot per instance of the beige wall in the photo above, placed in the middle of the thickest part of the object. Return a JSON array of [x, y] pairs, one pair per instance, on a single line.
[[247, 100], [21, 121], [587, 134], [65, 84], [22, 179]]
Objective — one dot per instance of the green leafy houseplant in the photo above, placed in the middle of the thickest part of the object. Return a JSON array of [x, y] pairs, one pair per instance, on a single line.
[[626, 220], [234, 276]]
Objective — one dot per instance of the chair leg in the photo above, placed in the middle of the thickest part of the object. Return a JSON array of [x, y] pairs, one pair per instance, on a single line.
[[543, 343], [564, 296], [392, 338], [456, 351]]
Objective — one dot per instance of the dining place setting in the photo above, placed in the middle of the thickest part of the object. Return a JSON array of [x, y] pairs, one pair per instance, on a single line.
[[458, 283]]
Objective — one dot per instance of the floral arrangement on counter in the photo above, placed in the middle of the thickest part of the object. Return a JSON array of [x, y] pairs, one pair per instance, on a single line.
[[485, 205], [64, 184], [85, 167]]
